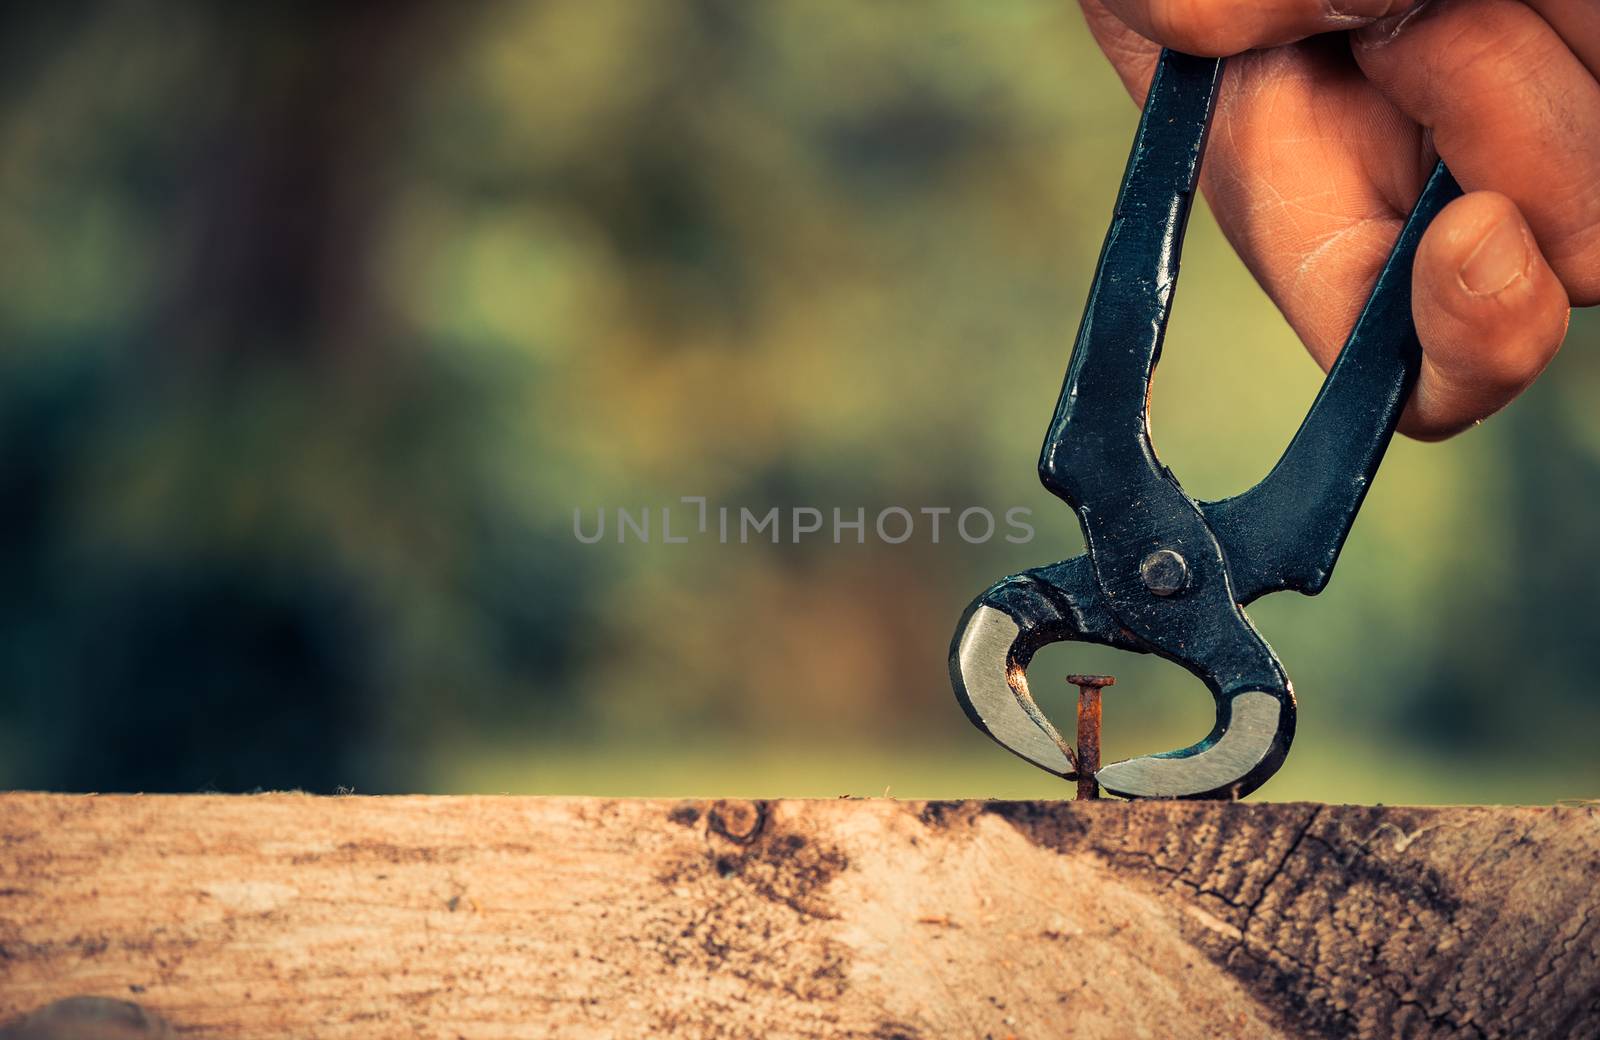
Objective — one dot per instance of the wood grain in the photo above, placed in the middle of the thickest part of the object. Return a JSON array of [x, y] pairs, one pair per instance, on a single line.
[[293, 916]]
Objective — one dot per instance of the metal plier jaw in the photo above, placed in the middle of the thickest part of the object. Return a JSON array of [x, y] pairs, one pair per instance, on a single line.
[[1165, 574]]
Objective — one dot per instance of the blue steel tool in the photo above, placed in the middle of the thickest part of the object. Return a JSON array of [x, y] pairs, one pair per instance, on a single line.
[[1165, 574]]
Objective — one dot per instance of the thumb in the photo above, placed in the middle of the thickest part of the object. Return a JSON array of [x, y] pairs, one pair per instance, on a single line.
[[1218, 28], [1489, 311]]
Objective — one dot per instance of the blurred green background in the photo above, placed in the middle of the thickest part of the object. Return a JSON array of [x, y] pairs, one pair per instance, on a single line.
[[320, 320]]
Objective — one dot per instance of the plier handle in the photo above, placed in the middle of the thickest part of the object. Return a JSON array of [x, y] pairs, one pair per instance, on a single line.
[[1165, 574]]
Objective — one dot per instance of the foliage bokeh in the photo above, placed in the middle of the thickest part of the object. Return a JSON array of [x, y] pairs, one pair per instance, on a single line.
[[319, 322]]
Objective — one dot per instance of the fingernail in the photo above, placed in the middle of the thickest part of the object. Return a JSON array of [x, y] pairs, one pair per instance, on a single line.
[[1366, 10], [1393, 23], [1500, 259]]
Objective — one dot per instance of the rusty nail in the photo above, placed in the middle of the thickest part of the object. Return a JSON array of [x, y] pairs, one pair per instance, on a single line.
[[1089, 687]]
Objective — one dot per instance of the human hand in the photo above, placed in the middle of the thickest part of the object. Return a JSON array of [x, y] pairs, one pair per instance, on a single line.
[[1321, 144]]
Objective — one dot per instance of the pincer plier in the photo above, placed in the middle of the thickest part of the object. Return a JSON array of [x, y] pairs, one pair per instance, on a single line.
[[1163, 573]]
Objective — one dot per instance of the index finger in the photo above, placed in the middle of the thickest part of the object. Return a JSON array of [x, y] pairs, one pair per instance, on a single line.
[[1218, 28]]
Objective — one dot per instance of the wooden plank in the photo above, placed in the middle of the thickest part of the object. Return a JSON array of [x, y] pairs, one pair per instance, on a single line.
[[294, 916]]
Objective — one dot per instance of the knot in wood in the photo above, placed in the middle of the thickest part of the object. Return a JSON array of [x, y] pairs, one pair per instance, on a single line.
[[737, 820], [98, 1017]]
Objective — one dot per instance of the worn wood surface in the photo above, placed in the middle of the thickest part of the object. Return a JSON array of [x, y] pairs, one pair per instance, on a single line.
[[289, 916]]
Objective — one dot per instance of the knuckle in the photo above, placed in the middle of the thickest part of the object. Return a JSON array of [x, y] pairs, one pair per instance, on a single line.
[[1584, 291], [1576, 260], [1494, 59], [1203, 27]]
